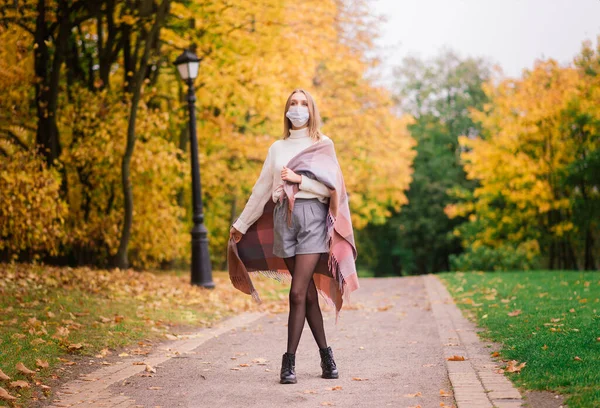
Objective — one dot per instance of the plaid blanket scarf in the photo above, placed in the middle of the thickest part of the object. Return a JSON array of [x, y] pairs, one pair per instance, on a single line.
[[335, 274]]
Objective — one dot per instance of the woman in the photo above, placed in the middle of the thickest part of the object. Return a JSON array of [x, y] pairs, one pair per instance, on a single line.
[[301, 243]]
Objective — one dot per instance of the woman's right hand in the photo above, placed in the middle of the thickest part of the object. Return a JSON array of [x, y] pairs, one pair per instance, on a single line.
[[233, 232]]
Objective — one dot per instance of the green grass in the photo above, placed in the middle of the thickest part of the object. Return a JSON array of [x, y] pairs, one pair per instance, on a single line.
[[550, 347]]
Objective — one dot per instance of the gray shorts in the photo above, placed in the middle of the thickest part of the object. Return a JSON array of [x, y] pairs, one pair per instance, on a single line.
[[308, 231]]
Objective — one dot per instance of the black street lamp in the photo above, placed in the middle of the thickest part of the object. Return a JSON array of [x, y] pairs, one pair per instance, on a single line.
[[187, 64]]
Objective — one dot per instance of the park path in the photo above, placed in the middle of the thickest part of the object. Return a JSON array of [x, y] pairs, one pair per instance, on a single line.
[[390, 346]]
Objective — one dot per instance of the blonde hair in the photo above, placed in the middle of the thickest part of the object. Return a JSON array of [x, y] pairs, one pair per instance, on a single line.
[[314, 120]]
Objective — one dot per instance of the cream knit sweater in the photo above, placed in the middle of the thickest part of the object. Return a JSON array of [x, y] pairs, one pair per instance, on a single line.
[[270, 184]]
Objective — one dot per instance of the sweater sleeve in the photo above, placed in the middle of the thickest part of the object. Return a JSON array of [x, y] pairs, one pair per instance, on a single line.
[[314, 186], [261, 193]]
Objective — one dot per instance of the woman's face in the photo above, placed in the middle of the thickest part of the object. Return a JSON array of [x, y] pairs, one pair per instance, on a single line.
[[299, 99]]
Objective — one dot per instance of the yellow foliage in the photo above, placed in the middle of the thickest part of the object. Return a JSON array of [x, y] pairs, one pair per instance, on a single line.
[[32, 213], [252, 56], [93, 165], [520, 158]]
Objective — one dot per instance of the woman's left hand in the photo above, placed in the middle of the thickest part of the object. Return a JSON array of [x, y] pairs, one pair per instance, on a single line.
[[289, 175]]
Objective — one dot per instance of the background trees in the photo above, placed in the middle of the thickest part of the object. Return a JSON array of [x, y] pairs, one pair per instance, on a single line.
[[92, 107], [537, 164], [93, 139], [438, 93]]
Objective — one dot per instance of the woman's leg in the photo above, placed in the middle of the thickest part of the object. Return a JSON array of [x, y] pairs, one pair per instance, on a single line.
[[304, 267], [313, 311], [314, 316]]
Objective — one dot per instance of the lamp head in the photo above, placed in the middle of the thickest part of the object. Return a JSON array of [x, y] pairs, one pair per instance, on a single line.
[[187, 65]]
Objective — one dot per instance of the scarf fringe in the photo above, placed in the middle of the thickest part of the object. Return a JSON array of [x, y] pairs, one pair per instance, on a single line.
[[283, 277]]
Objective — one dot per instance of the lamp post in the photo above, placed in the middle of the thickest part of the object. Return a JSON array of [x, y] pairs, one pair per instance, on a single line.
[[187, 65]]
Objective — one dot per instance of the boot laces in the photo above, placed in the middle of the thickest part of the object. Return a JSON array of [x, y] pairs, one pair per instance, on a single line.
[[328, 359]]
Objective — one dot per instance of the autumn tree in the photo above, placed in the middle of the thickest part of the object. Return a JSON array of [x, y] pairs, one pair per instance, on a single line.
[[536, 164], [120, 116]]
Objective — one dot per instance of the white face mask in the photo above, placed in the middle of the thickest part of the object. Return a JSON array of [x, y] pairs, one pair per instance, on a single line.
[[298, 114]]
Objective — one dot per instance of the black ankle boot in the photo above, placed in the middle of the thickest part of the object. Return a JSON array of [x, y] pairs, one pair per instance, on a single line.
[[288, 369], [327, 363]]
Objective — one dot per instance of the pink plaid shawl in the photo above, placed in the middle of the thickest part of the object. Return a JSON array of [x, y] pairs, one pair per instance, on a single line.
[[335, 275]]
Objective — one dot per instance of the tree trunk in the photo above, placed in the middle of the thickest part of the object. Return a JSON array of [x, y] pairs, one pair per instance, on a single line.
[[121, 258], [589, 262]]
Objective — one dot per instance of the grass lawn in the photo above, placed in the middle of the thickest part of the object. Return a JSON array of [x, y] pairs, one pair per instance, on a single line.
[[49, 316], [549, 320]]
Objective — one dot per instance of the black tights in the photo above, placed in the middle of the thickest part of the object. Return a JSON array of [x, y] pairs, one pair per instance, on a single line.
[[304, 301]]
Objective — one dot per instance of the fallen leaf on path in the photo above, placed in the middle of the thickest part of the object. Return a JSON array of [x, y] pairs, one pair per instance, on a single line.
[[5, 395], [149, 369], [139, 363], [417, 394], [310, 391], [245, 365], [155, 388], [124, 355], [443, 393], [24, 370], [260, 361], [235, 368], [3, 376], [455, 358], [336, 388], [359, 379], [170, 336], [327, 404], [19, 384], [384, 308], [41, 363]]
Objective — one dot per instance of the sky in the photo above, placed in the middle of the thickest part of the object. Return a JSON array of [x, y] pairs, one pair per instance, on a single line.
[[510, 33]]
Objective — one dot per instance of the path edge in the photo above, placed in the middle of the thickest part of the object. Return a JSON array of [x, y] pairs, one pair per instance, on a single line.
[[475, 381], [92, 389]]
